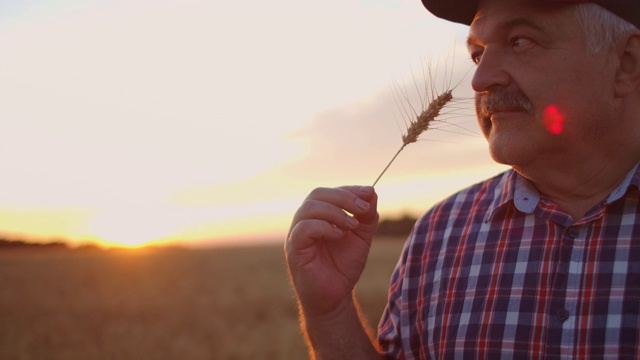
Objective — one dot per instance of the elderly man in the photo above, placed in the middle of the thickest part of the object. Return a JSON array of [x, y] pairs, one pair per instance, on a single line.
[[542, 261]]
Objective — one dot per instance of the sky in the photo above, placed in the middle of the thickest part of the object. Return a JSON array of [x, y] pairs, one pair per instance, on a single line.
[[203, 122]]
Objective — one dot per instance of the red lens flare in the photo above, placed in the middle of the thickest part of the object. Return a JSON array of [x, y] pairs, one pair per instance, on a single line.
[[553, 120]]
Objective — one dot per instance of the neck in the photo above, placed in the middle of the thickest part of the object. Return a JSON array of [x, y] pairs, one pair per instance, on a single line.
[[579, 186]]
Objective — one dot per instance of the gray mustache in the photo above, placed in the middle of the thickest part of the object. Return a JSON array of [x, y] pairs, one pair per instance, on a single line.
[[489, 103]]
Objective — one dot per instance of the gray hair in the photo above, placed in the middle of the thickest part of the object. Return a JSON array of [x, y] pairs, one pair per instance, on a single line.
[[602, 27]]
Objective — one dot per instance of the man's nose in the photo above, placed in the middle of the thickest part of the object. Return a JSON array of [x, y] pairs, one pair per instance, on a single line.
[[490, 72]]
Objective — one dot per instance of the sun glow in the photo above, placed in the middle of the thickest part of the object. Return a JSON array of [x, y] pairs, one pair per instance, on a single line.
[[135, 225]]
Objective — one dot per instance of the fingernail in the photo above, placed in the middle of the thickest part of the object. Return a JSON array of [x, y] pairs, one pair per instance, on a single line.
[[366, 189], [352, 222]]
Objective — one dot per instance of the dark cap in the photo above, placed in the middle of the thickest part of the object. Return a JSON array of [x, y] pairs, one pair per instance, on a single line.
[[463, 11]]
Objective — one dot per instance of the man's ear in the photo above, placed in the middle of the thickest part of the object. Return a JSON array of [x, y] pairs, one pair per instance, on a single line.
[[627, 78]]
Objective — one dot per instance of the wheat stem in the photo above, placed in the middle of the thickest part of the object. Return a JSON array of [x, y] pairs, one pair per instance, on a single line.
[[389, 164]]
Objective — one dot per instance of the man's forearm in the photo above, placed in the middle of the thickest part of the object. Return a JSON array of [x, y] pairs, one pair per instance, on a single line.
[[343, 334]]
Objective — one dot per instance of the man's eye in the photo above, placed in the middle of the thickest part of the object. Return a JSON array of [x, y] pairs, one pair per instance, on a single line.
[[520, 42], [475, 57]]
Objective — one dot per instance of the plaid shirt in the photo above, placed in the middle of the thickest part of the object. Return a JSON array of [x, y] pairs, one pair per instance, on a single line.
[[498, 272]]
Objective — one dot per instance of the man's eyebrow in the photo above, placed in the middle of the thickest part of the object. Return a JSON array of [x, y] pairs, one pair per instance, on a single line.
[[522, 22], [508, 25]]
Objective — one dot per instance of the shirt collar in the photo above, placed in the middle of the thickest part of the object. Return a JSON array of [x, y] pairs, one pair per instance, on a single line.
[[503, 193], [633, 178], [514, 187]]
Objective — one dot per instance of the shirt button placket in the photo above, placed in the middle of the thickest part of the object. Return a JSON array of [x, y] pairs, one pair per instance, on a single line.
[[572, 232], [558, 307]]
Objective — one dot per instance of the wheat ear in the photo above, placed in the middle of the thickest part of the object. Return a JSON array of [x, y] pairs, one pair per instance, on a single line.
[[420, 125]]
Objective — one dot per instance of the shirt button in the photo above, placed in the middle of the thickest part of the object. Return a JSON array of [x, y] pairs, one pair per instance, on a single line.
[[572, 232], [562, 315]]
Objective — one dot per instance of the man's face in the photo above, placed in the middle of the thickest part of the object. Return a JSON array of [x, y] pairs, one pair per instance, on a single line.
[[539, 94]]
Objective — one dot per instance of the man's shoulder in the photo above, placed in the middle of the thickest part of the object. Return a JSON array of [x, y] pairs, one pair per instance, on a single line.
[[479, 197], [462, 211], [491, 188]]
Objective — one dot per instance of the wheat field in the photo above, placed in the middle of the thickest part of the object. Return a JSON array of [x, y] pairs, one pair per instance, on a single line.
[[218, 303]]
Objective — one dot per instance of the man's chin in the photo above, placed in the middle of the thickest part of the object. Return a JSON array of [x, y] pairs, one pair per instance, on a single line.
[[508, 151]]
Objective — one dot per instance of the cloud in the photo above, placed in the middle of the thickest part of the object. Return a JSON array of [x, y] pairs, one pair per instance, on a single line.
[[356, 140]]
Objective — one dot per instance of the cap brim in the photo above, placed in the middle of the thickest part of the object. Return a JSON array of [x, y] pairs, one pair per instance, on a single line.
[[461, 12], [464, 11]]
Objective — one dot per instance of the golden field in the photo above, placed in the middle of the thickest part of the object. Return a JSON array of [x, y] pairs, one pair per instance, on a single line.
[[218, 303]]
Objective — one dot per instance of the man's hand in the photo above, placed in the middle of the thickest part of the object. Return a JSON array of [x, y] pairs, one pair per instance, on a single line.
[[327, 248]]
